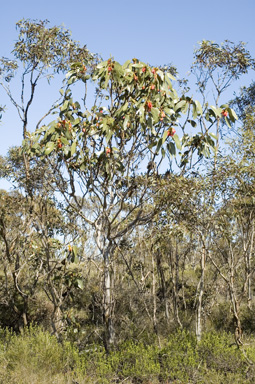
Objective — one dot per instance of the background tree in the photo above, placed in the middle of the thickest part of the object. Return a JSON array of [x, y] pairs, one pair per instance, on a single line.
[[216, 67]]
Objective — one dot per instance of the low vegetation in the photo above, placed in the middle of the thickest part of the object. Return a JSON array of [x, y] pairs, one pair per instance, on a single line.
[[36, 357]]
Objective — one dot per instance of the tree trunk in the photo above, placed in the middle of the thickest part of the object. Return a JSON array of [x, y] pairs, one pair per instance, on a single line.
[[108, 303], [235, 304], [200, 296], [163, 284], [57, 321], [174, 265]]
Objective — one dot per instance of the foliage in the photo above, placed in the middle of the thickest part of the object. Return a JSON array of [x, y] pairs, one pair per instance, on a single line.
[[37, 357]]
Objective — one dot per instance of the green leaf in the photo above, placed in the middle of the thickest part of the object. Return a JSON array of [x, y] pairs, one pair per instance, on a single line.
[[152, 144], [49, 147], [159, 145], [64, 140], [105, 84], [103, 64], [138, 65], [155, 114], [169, 111], [170, 76], [108, 136], [80, 283], [171, 148], [74, 258], [180, 105], [228, 121], [193, 123], [177, 141], [199, 107], [72, 80], [216, 111], [126, 64], [141, 111], [232, 115], [73, 148], [194, 112], [168, 81], [164, 137], [64, 106], [213, 136], [75, 250]]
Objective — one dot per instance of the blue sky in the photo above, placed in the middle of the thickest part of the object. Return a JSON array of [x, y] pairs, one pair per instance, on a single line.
[[156, 32]]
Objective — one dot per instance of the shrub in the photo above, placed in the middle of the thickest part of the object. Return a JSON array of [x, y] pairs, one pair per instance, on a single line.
[[37, 357], [137, 361], [179, 358], [220, 353]]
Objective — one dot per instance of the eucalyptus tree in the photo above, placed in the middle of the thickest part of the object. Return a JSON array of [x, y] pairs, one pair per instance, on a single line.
[[111, 153], [216, 67], [233, 247], [38, 245], [40, 52]]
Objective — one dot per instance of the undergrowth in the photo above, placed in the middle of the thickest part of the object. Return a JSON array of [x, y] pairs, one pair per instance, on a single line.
[[36, 357]]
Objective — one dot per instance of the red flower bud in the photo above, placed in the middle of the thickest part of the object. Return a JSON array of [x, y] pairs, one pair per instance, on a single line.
[[171, 131], [149, 105]]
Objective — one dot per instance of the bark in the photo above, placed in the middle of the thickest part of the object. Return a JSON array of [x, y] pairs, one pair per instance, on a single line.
[[57, 321], [235, 304], [174, 264], [200, 296], [163, 284], [108, 303]]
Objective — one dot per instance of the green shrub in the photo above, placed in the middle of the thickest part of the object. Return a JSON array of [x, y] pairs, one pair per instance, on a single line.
[[136, 361], [36, 356], [99, 365], [220, 353], [179, 358]]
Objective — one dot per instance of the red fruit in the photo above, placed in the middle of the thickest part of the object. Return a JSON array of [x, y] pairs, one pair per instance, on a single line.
[[149, 105], [171, 131], [109, 69], [108, 150], [59, 145], [153, 70], [224, 113], [84, 69], [152, 86], [144, 69]]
